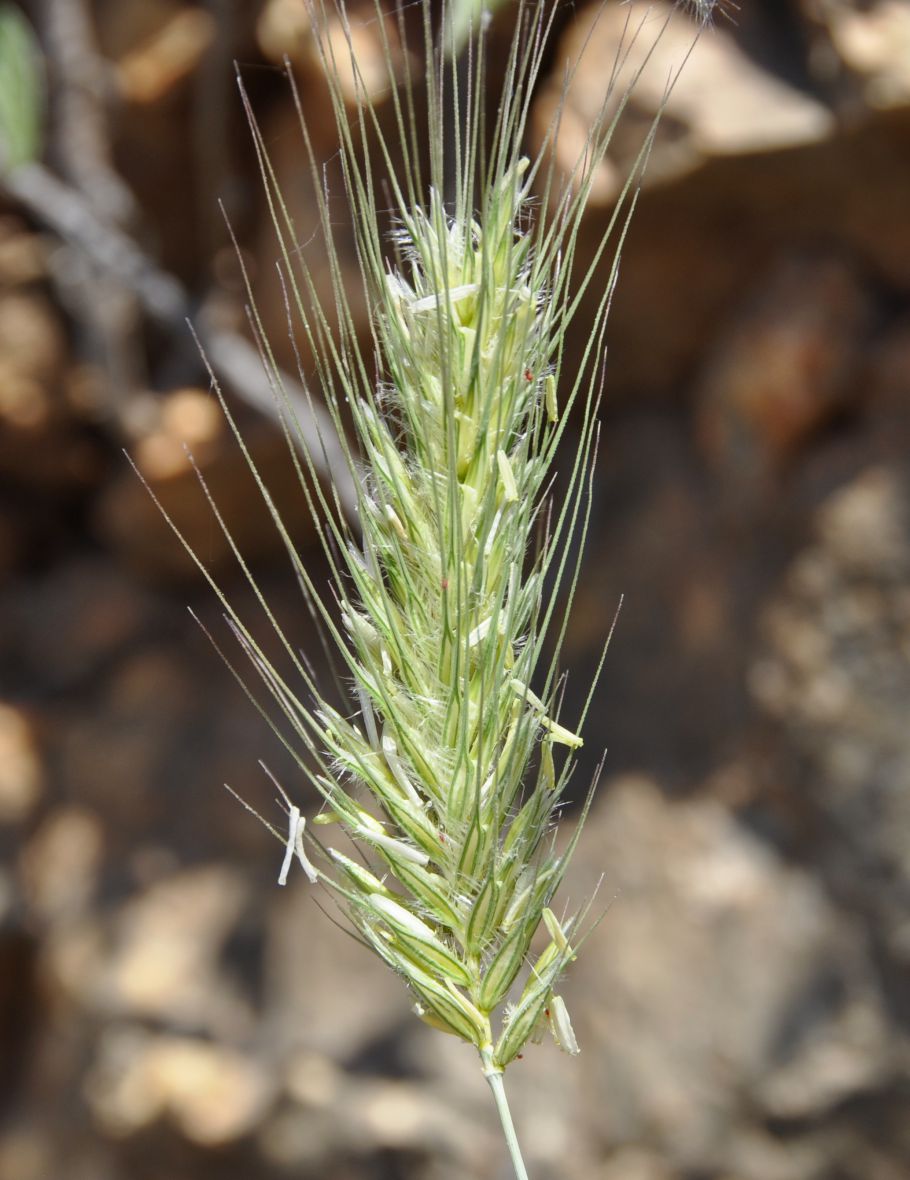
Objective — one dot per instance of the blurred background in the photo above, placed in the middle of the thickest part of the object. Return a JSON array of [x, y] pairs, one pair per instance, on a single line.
[[166, 1012]]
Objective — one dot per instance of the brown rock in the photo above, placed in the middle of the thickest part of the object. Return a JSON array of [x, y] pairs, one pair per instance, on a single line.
[[31, 368], [180, 121], [166, 947], [872, 42], [213, 1093], [834, 673], [123, 25], [191, 429], [721, 104], [150, 70], [44, 450], [710, 988], [22, 254], [189, 420], [26, 1154], [20, 1011], [96, 612], [784, 365], [283, 30], [21, 770], [887, 384], [61, 866], [745, 168]]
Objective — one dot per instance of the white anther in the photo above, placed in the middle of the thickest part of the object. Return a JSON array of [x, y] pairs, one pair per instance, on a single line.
[[294, 845]]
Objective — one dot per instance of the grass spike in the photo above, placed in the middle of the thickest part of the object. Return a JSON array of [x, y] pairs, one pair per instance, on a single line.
[[441, 754]]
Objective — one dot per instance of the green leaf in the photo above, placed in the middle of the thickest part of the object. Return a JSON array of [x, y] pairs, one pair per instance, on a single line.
[[21, 90]]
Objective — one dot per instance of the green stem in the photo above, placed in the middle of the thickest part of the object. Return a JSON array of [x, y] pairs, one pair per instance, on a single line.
[[494, 1077]]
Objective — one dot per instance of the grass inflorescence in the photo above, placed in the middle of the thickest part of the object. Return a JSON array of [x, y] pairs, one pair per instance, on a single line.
[[443, 763]]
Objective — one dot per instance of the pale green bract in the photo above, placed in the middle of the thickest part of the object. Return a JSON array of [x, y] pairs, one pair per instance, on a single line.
[[440, 763]]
